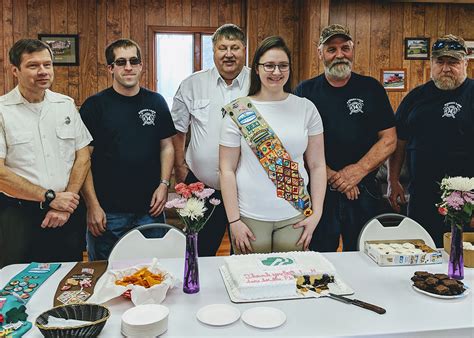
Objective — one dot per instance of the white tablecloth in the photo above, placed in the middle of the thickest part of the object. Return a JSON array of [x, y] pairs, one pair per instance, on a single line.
[[409, 313]]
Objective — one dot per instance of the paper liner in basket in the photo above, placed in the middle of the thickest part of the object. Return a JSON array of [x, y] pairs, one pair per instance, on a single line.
[[108, 290]]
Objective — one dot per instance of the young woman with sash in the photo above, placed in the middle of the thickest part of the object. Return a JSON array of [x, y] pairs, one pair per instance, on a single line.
[[266, 140]]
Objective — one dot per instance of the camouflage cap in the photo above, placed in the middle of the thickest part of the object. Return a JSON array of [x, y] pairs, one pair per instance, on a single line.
[[449, 45], [332, 30]]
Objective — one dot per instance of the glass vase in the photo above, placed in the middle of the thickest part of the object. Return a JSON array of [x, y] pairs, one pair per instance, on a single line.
[[456, 261], [191, 268]]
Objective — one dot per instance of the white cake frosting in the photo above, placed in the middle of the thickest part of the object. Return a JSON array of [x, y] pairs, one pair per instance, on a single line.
[[258, 276]]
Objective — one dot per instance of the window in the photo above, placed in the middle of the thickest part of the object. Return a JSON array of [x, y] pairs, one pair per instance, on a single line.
[[177, 54]]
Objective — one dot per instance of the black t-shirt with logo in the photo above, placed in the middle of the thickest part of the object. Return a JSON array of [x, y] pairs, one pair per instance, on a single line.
[[127, 131], [352, 116], [438, 126]]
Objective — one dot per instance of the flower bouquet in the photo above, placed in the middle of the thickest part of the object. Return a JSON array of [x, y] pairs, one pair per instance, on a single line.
[[457, 206], [191, 208]]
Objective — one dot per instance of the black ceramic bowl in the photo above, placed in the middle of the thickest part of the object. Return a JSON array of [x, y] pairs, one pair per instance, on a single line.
[[96, 314]]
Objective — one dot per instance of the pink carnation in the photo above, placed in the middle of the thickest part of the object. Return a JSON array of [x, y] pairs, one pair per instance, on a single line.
[[183, 190], [455, 200], [204, 193], [178, 203], [197, 186], [215, 201], [469, 197]]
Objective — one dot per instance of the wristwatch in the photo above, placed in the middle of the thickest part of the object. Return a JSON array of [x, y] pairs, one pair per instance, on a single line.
[[165, 182], [49, 196]]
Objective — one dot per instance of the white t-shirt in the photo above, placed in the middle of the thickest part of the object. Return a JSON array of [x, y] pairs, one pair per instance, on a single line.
[[198, 102], [39, 142], [293, 120]]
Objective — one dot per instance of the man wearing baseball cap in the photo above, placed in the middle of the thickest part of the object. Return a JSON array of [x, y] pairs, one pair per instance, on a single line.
[[359, 135], [435, 127]]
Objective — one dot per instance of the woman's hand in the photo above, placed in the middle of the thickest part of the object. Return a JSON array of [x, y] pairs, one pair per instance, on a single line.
[[242, 237], [309, 224]]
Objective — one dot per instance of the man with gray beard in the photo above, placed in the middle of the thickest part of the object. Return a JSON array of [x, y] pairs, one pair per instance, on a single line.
[[359, 135], [435, 127]]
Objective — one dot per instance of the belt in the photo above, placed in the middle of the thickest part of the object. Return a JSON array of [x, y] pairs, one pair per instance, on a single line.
[[18, 203]]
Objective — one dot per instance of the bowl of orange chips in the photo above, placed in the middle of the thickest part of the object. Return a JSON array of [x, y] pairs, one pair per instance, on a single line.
[[143, 284], [142, 277]]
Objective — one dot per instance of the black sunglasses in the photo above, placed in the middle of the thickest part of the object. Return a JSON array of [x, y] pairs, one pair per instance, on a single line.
[[134, 61], [451, 45]]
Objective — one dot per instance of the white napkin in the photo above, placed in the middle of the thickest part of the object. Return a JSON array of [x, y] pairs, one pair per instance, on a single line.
[[62, 322], [106, 289]]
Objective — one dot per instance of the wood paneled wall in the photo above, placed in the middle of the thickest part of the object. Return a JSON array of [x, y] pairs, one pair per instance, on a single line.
[[99, 22], [378, 28], [274, 17]]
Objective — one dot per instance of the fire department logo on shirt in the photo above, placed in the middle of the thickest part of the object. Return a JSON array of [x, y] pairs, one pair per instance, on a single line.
[[451, 109], [147, 116], [355, 106]]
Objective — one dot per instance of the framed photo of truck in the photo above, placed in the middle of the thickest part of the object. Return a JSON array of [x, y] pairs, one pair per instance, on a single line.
[[65, 48], [394, 79], [417, 48]]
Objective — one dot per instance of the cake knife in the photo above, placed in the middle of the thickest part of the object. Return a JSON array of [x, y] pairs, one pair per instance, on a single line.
[[357, 302]]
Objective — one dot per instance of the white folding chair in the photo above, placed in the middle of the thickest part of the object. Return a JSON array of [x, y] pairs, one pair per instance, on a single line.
[[133, 245], [377, 229]]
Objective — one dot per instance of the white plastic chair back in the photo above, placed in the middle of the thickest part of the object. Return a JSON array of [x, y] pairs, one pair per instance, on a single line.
[[407, 229], [134, 246]]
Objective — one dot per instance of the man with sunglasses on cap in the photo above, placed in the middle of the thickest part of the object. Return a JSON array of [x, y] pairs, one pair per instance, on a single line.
[[435, 127], [132, 153], [359, 135]]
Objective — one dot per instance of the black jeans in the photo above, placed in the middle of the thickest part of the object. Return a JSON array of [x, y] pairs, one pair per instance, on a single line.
[[210, 237], [345, 217], [22, 240]]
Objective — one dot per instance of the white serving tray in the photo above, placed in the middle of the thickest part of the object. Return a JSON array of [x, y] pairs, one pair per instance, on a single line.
[[339, 287]]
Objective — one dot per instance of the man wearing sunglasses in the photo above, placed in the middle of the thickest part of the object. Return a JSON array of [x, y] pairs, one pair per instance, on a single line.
[[132, 153], [359, 135], [197, 106], [435, 127]]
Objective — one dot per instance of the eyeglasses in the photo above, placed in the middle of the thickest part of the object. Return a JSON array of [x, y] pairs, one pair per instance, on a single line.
[[451, 45], [122, 62], [270, 67]]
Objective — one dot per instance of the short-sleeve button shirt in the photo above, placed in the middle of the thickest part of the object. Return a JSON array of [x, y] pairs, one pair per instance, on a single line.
[[198, 102], [40, 146]]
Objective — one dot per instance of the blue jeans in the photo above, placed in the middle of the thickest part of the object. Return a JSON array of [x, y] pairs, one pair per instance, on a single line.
[[118, 224], [345, 217]]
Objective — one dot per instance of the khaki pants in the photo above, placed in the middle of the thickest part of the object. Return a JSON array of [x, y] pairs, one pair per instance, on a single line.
[[277, 236]]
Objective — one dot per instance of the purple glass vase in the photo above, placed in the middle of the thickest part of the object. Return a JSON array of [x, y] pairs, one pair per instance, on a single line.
[[456, 261], [191, 268]]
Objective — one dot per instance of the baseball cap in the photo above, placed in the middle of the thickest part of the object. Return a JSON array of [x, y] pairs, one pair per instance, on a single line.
[[449, 45], [332, 30]]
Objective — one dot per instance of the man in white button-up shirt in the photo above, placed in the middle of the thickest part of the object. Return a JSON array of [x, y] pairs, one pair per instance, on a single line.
[[43, 162], [197, 104]]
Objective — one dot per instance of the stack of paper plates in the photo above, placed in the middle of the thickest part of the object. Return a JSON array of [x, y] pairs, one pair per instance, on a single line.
[[148, 320]]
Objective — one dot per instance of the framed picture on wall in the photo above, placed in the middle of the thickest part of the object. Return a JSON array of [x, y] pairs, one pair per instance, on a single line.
[[394, 79], [417, 48], [65, 48], [470, 49]]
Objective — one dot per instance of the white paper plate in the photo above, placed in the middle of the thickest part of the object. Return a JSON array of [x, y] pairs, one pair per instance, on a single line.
[[264, 317], [143, 315], [218, 314], [464, 294]]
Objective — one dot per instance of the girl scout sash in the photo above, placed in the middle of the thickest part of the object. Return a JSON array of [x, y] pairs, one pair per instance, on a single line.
[[271, 153]]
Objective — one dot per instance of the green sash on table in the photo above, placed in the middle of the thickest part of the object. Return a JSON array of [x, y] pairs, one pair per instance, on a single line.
[[271, 153], [16, 293]]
